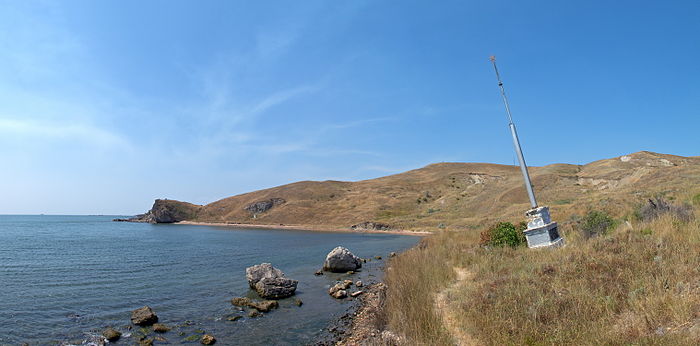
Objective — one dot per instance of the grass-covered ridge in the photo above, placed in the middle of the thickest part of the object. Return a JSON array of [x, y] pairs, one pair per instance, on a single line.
[[638, 283], [458, 196]]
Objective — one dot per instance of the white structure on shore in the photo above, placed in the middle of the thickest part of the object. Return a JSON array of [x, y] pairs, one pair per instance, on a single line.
[[541, 230]]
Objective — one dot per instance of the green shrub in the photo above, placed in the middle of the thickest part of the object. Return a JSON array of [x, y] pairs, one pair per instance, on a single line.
[[596, 223], [646, 231], [696, 199], [504, 234]]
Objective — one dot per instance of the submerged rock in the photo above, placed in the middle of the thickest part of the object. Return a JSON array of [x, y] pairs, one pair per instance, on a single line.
[[240, 301], [341, 260], [264, 306], [160, 328], [111, 334], [208, 339], [143, 316]]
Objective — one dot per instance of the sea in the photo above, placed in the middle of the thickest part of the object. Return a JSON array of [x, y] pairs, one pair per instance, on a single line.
[[64, 279]]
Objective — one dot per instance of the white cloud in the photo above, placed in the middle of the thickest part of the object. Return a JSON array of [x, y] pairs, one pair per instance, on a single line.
[[45, 131]]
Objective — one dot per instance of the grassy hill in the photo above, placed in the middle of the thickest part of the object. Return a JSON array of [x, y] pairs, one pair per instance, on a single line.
[[459, 195], [637, 283]]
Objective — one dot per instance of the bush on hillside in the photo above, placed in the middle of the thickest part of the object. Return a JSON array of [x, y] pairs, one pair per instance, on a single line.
[[504, 234], [658, 206], [696, 199], [596, 223]]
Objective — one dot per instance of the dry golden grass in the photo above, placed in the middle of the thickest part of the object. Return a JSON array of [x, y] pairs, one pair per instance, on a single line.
[[639, 284], [463, 195]]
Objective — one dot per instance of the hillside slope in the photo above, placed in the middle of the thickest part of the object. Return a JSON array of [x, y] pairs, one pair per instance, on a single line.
[[456, 195]]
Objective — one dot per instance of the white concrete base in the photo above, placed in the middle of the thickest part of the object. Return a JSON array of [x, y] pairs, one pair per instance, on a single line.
[[541, 230]]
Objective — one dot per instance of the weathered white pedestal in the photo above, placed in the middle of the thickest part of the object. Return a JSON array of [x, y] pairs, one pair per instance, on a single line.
[[541, 230]]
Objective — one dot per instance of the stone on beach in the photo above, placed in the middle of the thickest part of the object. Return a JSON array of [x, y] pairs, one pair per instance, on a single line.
[[338, 290], [143, 316], [355, 294], [341, 260]]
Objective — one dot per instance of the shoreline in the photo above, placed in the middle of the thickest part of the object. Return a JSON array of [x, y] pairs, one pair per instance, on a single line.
[[314, 228]]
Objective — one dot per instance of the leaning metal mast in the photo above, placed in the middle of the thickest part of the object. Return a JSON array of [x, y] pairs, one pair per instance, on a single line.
[[541, 230], [516, 141]]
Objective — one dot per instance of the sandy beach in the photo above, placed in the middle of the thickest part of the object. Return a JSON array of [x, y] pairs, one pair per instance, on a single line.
[[300, 228]]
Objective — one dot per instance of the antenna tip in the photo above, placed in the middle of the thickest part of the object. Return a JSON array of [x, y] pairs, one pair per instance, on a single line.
[[492, 58]]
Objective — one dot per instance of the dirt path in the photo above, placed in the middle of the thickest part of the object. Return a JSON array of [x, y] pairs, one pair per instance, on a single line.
[[449, 315]]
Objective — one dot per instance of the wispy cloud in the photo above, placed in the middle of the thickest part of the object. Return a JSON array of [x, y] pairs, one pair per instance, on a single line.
[[279, 97], [43, 131], [357, 123]]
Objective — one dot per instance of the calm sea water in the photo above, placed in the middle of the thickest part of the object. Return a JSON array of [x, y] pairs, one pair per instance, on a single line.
[[65, 278]]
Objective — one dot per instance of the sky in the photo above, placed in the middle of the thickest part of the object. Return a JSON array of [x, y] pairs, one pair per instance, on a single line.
[[107, 105]]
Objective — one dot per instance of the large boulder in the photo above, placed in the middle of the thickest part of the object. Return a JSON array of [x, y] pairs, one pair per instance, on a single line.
[[143, 316], [258, 272], [276, 288], [270, 282], [341, 260]]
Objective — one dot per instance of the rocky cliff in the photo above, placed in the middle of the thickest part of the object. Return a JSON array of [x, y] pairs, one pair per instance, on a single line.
[[167, 211]]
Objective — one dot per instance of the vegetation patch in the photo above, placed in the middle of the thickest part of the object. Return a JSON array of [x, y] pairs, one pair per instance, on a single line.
[[504, 234], [596, 223]]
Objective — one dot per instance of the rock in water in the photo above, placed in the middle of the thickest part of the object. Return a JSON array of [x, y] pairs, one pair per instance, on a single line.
[[208, 339], [270, 282], [240, 301], [341, 260], [143, 316], [338, 291], [276, 288], [160, 328], [265, 305], [111, 334], [261, 271]]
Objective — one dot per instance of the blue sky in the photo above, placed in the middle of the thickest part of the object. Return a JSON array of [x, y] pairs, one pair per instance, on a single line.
[[107, 105]]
